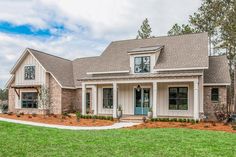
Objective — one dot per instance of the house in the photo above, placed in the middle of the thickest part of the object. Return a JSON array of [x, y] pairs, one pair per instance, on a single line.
[[172, 75]]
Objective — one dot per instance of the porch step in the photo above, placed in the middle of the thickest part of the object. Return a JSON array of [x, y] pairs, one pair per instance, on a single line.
[[135, 119]]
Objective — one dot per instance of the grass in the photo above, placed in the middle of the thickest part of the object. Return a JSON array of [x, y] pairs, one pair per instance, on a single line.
[[29, 141]]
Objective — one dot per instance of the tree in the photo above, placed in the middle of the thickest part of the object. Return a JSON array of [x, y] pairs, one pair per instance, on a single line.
[[207, 19], [145, 30], [217, 17], [179, 30], [3, 94], [44, 100]]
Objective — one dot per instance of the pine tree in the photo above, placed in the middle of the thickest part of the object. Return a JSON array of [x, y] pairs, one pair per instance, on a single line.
[[179, 30], [145, 30]]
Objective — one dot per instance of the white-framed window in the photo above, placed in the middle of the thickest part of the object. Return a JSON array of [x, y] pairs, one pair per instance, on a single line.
[[108, 98], [29, 100], [142, 64], [178, 98], [29, 72]]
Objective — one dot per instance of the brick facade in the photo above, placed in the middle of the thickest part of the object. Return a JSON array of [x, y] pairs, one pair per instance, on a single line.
[[68, 100], [11, 99], [209, 106]]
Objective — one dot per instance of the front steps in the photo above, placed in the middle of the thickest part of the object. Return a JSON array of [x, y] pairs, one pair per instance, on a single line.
[[133, 119]]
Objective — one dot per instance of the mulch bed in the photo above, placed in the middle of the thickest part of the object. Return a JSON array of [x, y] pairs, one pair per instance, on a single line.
[[60, 120], [198, 126]]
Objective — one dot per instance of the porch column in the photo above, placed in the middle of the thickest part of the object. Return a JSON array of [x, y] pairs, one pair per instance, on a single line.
[[196, 100], [154, 101], [94, 99], [83, 99], [114, 100]]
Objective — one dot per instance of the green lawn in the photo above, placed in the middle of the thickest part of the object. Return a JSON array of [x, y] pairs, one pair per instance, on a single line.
[[21, 140]]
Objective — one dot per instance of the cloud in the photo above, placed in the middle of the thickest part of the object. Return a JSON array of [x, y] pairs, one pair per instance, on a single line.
[[79, 28]]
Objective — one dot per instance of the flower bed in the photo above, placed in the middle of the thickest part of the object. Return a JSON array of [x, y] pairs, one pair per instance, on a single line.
[[67, 120], [191, 125]]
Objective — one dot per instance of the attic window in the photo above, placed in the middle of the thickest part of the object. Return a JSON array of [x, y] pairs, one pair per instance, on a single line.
[[29, 72], [142, 64]]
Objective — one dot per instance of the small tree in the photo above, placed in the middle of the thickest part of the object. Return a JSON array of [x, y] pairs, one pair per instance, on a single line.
[[145, 30], [44, 100]]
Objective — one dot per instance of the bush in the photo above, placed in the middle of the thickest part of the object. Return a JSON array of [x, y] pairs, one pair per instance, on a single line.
[[78, 115], [34, 114]]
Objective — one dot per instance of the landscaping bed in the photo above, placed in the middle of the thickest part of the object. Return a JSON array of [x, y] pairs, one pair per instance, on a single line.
[[196, 125], [67, 120]]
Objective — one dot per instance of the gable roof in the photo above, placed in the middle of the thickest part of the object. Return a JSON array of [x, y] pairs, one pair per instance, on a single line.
[[179, 52], [60, 68], [218, 72]]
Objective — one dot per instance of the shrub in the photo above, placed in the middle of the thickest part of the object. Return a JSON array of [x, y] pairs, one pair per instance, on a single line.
[[184, 120], [34, 114], [188, 120], [18, 115], [197, 121], [180, 120], [78, 115]]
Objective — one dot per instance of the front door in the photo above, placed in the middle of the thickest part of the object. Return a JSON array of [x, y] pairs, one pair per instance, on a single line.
[[142, 101]]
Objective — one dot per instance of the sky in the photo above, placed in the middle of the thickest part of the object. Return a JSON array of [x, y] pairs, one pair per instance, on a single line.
[[80, 28]]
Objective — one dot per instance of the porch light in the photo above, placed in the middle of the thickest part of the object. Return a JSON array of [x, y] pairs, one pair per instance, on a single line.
[[138, 88]]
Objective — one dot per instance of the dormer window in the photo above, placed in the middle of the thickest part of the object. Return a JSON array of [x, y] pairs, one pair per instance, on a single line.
[[29, 72], [142, 64]]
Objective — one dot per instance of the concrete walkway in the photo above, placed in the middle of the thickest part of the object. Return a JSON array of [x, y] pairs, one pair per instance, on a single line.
[[114, 126]]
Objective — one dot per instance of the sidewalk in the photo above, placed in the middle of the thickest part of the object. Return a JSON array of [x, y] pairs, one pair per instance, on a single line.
[[114, 126]]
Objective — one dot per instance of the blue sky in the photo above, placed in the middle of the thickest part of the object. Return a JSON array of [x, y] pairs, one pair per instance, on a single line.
[[80, 28]]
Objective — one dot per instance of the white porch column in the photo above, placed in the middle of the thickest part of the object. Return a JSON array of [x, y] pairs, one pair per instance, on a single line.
[[196, 100], [114, 100], [83, 99], [154, 101], [94, 99]]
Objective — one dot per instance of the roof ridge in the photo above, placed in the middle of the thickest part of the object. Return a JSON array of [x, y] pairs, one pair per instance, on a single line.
[[163, 36], [86, 57], [49, 54]]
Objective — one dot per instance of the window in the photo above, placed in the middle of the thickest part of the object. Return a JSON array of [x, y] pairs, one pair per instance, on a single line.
[[107, 98], [29, 100], [141, 64], [29, 72], [215, 94], [178, 98]]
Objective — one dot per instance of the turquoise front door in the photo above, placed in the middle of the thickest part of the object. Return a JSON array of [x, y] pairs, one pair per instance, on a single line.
[[142, 101]]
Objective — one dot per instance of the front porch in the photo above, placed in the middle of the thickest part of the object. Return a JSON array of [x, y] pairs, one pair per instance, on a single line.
[[136, 97]]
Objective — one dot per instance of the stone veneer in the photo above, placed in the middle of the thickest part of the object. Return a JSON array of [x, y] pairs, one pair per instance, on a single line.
[[209, 105]]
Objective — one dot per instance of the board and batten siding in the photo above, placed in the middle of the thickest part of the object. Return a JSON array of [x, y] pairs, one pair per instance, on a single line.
[[163, 100], [126, 99], [40, 73]]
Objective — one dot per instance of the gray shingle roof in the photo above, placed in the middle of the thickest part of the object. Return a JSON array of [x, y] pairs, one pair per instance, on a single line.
[[218, 71], [61, 68], [184, 51]]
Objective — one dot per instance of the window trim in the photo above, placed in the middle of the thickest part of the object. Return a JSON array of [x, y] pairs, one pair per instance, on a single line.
[[217, 95], [108, 87], [178, 86], [142, 59], [21, 100], [34, 72]]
